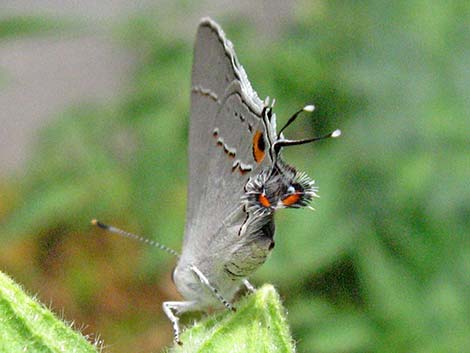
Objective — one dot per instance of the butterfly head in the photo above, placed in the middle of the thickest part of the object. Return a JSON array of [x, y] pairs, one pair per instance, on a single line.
[[280, 187]]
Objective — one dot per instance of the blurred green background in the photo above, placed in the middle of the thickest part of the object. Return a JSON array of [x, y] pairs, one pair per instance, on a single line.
[[383, 265]]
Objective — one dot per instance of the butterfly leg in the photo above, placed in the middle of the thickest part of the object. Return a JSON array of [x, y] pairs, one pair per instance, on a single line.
[[251, 288], [173, 310], [203, 279]]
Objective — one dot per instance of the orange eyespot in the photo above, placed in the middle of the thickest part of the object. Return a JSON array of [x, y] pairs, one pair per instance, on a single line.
[[263, 200], [258, 147], [291, 199]]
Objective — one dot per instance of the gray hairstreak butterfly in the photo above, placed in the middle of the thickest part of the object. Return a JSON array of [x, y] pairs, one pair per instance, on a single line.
[[237, 180]]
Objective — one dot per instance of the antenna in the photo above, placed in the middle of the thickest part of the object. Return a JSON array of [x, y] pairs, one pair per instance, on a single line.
[[308, 108], [283, 142], [125, 234]]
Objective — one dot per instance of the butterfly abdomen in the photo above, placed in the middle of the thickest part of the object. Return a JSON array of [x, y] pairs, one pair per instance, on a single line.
[[252, 250]]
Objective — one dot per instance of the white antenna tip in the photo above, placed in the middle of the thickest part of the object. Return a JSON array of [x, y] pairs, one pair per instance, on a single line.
[[309, 108], [336, 133]]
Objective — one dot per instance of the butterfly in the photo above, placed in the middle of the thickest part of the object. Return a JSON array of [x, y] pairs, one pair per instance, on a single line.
[[237, 180]]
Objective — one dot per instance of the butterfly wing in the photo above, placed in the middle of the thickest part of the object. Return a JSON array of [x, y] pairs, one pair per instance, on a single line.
[[229, 141]]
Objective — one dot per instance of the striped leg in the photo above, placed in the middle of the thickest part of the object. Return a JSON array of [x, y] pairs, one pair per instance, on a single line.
[[251, 288], [173, 310], [214, 290]]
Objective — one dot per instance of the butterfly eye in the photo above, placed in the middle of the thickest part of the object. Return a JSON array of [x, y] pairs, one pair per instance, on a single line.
[[290, 200], [264, 201], [293, 196]]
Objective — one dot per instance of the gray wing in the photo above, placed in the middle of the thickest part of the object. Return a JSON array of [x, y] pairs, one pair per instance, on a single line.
[[226, 113]]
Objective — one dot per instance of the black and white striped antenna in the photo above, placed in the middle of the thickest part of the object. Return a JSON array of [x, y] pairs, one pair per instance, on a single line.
[[125, 234]]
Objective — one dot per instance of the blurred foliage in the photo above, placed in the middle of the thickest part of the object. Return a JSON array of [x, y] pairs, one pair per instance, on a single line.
[[18, 26], [14, 27], [383, 265]]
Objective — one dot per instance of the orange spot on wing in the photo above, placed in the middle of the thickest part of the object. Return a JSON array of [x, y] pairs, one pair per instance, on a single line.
[[258, 147], [291, 199], [263, 200]]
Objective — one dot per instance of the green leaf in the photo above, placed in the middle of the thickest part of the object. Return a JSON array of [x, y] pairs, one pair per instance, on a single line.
[[27, 326], [258, 325]]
